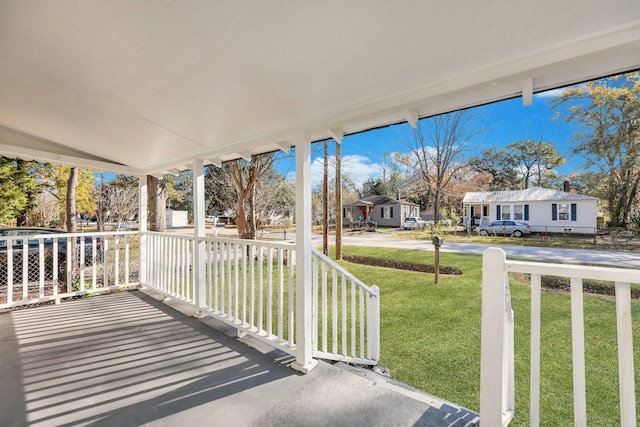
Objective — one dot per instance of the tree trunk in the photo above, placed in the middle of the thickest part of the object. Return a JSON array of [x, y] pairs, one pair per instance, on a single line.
[[252, 223], [157, 204], [72, 183], [241, 218]]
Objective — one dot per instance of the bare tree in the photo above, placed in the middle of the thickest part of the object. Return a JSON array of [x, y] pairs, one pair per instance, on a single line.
[[439, 147], [45, 210], [245, 176], [122, 200]]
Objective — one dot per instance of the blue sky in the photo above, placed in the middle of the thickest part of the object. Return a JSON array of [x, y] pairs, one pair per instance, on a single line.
[[508, 121]]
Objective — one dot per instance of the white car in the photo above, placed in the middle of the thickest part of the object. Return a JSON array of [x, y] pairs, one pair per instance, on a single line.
[[410, 221], [211, 218]]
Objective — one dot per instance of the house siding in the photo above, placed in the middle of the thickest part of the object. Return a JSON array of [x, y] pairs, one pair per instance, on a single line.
[[540, 216], [398, 212]]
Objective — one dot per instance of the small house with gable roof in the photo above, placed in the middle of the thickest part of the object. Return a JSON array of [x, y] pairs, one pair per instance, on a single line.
[[544, 209], [383, 210]]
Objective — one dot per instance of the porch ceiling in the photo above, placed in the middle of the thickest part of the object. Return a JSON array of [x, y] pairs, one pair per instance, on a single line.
[[146, 86]]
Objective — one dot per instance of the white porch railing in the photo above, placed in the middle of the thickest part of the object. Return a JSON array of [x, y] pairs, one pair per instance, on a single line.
[[251, 285], [497, 358], [51, 267], [346, 323]]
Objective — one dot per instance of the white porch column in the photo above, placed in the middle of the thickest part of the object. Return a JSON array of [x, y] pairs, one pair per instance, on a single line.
[[304, 360], [199, 254], [142, 221]]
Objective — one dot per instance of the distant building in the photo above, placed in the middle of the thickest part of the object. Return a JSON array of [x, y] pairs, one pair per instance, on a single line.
[[177, 218], [546, 210], [384, 210]]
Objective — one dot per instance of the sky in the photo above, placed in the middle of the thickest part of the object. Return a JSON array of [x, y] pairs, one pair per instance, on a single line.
[[508, 121]]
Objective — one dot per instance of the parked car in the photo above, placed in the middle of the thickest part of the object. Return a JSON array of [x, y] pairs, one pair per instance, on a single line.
[[211, 219], [410, 221], [33, 251], [512, 228]]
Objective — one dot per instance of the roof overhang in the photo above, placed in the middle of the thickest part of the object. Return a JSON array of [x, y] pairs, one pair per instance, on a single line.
[[146, 86]]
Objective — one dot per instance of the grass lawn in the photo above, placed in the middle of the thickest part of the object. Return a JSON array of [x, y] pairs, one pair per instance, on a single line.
[[430, 338]]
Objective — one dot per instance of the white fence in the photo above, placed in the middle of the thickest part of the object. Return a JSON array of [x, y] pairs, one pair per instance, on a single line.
[[497, 358], [51, 267], [251, 285]]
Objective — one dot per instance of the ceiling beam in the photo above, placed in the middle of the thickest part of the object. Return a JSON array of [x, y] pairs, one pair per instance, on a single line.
[[337, 134], [285, 146], [527, 92], [214, 161], [245, 155], [412, 118]]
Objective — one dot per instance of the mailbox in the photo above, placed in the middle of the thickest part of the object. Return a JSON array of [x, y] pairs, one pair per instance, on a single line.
[[437, 241]]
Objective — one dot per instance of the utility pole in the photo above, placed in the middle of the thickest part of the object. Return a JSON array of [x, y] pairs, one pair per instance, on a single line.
[[325, 201], [338, 200]]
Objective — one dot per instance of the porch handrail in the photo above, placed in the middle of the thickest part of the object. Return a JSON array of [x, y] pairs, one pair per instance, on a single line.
[[43, 267], [346, 314], [497, 367]]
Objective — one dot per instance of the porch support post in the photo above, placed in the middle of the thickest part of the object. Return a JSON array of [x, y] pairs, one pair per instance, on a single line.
[[304, 360], [142, 221], [199, 254]]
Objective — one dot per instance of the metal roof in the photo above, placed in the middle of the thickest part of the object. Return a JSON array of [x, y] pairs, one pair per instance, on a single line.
[[147, 85], [528, 195]]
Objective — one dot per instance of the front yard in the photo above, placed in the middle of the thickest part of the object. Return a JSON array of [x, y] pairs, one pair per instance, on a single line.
[[430, 337]]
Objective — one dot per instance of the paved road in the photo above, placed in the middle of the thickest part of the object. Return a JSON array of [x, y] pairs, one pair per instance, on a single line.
[[387, 240]]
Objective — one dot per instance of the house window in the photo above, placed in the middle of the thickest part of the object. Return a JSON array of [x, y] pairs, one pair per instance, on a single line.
[[518, 212], [563, 212], [506, 212], [513, 212], [387, 212]]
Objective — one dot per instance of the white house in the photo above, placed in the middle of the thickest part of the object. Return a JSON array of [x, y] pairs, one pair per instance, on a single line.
[[545, 210]]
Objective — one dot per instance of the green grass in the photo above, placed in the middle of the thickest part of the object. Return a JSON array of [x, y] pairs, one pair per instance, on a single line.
[[430, 338]]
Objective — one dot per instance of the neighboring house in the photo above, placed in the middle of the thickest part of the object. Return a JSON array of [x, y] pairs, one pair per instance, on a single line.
[[545, 210], [384, 210]]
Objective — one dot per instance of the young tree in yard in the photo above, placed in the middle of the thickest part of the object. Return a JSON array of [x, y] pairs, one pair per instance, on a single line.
[[439, 146], [608, 112], [17, 187], [245, 176]]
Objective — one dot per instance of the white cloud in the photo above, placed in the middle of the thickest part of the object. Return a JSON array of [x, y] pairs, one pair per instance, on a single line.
[[550, 93], [357, 167], [555, 92]]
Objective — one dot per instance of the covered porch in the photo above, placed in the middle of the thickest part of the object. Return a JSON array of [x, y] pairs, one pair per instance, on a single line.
[[127, 359], [146, 88]]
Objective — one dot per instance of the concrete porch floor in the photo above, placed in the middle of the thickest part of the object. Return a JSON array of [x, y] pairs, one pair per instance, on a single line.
[[125, 359]]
